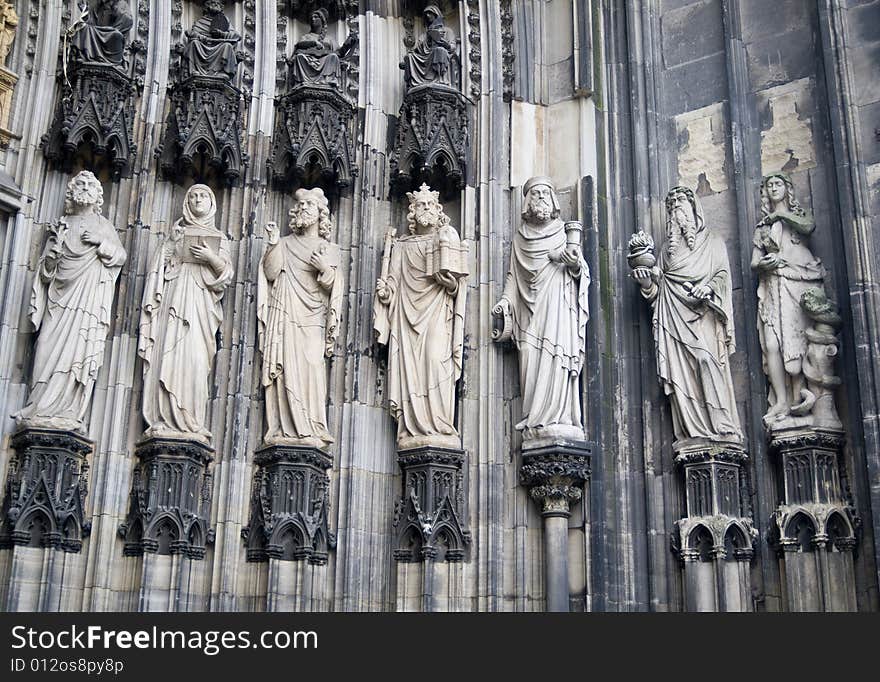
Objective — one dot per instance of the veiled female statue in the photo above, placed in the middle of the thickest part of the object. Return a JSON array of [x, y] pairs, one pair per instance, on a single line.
[[786, 270], [180, 317], [316, 58], [299, 298], [433, 59], [70, 307]]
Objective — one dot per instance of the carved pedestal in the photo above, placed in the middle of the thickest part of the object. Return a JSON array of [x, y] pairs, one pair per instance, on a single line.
[[555, 473], [715, 541], [312, 142], [814, 528], [46, 490], [432, 144], [203, 131], [288, 526], [96, 107]]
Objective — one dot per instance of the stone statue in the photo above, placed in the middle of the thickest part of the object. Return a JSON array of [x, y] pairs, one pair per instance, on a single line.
[[70, 307], [433, 59], [102, 32], [179, 319], [316, 59], [544, 306], [419, 315], [210, 44], [299, 304], [8, 24], [818, 404], [786, 269], [690, 292]]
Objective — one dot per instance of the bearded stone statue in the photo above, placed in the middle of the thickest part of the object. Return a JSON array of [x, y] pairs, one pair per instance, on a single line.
[[419, 315], [71, 305], [299, 301], [545, 308], [690, 293]]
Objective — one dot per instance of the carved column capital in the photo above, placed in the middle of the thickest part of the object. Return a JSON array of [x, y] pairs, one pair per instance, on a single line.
[[554, 475]]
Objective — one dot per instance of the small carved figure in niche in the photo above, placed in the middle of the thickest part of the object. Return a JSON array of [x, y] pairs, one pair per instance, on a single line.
[[299, 299], [818, 364], [690, 293], [8, 24], [71, 305], [544, 307], [419, 315], [786, 269], [316, 59], [434, 57], [179, 319], [210, 44], [100, 34]]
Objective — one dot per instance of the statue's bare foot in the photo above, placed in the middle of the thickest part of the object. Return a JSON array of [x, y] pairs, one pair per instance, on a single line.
[[776, 412]]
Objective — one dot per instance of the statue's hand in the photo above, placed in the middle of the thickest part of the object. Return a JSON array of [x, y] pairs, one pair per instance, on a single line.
[[382, 291], [272, 233], [702, 292], [89, 237], [318, 260], [203, 254], [570, 256], [642, 276], [769, 262], [502, 308], [446, 280]]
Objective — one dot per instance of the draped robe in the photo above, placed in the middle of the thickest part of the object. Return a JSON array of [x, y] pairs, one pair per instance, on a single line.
[[316, 64], [423, 327], [298, 312], [207, 55], [694, 339], [179, 321], [432, 59], [549, 309], [70, 308], [102, 38]]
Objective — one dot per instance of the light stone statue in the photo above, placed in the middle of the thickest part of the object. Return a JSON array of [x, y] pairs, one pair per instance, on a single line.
[[419, 315], [690, 293], [180, 317], [544, 306], [818, 404], [71, 304], [433, 59], [786, 270], [299, 299], [8, 25]]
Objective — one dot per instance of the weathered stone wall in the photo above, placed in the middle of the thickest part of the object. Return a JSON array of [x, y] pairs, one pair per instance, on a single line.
[[617, 102]]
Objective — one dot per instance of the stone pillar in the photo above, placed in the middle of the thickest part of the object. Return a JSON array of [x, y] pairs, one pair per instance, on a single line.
[[814, 528], [168, 522], [428, 522], [554, 474], [43, 512], [715, 540], [289, 523]]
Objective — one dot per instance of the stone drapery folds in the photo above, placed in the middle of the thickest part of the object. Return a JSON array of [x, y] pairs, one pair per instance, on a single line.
[[99, 35]]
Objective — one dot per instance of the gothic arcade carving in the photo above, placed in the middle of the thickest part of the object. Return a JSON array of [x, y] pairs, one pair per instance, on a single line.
[[205, 118], [432, 143], [314, 129]]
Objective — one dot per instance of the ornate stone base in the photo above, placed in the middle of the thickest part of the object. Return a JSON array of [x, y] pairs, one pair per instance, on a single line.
[[290, 505], [96, 107], [312, 146], [554, 473], [428, 520], [170, 499], [815, 528], [715, 541], [46, 488]]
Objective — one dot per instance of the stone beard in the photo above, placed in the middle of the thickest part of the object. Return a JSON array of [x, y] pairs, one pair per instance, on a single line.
[[545, 297], [180, 317], [420, 316], [71, 304], [299, 302], [693, 324]]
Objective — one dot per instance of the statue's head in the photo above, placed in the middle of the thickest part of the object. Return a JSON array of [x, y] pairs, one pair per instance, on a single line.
[[541, 203], [200, 200], [319, 19], [213, 7], [431, 13], [777, 188], [425, 211], [83, 190], [684, 217], [311, 207]]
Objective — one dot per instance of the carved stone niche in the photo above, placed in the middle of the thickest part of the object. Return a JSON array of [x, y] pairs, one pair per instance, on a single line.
[[315, 118], [290, 506], [46, 490], [428, 520], [170, 502], [815, 528], [96, 109], [206, 113], [715, 541]]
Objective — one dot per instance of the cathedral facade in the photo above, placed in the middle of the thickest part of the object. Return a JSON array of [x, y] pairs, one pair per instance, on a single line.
[[467, 305]]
